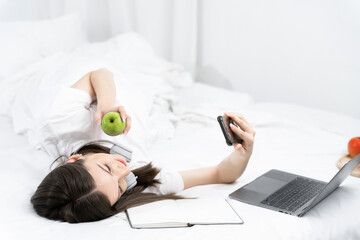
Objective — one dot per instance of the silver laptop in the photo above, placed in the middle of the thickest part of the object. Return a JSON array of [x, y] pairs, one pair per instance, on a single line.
[[290, 193]]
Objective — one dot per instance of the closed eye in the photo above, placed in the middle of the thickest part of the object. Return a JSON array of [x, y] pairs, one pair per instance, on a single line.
[[120, 189], [108, 167]]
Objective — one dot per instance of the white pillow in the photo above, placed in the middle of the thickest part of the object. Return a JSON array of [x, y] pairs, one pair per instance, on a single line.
[[22, 43]]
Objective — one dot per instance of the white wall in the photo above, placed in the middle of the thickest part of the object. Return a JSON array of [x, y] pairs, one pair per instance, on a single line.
[[304, 52], [298, 51]]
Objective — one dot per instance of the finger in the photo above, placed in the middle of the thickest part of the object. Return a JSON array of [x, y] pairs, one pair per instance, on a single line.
[[248, 138], [119, 109], [229, 114], [128, 125], [98, 117], [238, 131], [122, 112], [241, 117], [237, 146], [242, 124], [234, 116]]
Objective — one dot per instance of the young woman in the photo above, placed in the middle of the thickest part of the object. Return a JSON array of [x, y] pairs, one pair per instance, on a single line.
[[90, 185]]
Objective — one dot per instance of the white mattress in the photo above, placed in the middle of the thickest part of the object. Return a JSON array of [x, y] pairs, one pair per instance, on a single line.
[[293, 138]]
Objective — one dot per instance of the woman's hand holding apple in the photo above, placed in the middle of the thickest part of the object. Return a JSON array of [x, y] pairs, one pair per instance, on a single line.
[[111, 122]]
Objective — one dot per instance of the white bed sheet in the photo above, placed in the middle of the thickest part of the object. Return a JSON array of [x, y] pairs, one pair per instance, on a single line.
[[292, 146], [292, 138]]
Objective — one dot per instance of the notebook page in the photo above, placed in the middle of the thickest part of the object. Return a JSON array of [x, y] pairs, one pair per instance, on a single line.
[[209, 211], [165, 211]]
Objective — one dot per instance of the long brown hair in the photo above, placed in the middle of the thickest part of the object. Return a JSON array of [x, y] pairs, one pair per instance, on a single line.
[[68, 192]]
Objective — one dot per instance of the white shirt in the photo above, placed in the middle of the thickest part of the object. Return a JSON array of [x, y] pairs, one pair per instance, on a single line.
[[69, 123]]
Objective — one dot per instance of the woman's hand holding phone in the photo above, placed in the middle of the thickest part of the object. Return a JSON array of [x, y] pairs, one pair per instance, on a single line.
[[232, 167], [244, 131]]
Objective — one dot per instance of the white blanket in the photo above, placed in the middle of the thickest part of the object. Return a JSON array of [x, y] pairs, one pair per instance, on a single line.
[[182, 134]]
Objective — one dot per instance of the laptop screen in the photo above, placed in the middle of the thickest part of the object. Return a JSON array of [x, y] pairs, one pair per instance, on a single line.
[[335, 182]]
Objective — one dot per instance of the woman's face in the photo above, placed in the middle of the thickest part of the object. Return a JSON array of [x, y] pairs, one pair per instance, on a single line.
[[109, 172]]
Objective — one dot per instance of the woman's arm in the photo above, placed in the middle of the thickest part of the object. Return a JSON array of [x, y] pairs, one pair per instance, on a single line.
[[233, 166], [101, 87]]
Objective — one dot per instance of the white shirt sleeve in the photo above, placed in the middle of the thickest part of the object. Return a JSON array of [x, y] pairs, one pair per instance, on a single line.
[[70, 121], [170, 182]]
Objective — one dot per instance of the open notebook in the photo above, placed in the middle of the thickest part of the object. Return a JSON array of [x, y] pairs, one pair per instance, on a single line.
[[183, 213]]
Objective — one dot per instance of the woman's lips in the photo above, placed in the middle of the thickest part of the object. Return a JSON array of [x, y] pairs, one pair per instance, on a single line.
[[122, 161]]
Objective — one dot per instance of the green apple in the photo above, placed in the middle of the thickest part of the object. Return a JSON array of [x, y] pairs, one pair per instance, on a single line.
[[112, 124]]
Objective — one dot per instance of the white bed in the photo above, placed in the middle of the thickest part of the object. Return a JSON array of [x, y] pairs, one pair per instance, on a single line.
[[181, 132]]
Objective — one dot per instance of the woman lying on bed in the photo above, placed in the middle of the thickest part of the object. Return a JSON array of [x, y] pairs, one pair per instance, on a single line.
[[90, 185]]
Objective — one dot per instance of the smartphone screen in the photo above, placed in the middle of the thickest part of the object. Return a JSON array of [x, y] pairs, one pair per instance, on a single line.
[[230, 136]]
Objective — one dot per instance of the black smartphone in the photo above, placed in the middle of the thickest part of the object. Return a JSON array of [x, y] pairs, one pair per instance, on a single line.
[[230, 136]]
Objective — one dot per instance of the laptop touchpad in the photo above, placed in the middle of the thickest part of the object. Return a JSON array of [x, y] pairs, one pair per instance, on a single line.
[[265, 185]]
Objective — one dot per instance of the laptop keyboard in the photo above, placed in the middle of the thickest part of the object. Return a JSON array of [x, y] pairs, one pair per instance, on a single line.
[[294, 194]]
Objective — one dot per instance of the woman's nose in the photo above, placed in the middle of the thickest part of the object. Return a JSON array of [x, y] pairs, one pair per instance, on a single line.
[[121, 171]]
